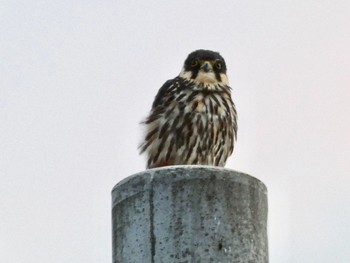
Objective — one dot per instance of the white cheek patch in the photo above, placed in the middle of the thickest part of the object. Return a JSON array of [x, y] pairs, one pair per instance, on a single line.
[[185, 74], [224, 79]]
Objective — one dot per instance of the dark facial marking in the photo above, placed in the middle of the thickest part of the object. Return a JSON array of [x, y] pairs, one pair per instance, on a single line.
[[196, 58]]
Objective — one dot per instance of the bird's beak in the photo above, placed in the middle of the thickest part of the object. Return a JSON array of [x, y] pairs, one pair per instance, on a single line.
[[206, 66]]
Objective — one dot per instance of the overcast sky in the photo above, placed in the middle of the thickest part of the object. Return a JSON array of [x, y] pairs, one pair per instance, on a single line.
[[77, 77]]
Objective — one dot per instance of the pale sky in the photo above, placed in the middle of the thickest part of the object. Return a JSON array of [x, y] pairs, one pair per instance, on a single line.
[[77, 77]]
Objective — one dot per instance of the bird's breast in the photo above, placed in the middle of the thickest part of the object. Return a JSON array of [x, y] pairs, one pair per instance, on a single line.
[[210, 105]]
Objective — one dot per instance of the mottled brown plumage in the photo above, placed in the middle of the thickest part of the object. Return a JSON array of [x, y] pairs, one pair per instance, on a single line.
[[193, 119]]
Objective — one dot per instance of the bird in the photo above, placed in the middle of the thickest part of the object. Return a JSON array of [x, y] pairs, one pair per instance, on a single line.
[[193, 119]]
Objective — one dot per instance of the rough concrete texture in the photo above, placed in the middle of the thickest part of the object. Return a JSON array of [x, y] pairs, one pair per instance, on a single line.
[[189, 214]]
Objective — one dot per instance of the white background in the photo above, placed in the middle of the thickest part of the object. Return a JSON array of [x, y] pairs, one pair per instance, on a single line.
[[77, 77]]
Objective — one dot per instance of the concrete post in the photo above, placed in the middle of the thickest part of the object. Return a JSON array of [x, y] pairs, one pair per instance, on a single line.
[[189, 214]]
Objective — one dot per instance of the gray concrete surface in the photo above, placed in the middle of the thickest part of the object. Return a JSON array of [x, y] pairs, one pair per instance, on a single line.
[[189, 214]]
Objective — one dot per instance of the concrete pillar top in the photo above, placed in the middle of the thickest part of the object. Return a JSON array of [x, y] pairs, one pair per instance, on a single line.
[[189, 214], [181, 172]]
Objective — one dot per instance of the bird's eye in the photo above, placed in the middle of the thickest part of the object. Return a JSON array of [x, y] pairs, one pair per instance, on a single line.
[[194, 63], [218, 65]]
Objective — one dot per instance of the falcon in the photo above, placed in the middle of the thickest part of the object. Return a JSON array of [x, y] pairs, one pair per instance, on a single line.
[[193, 120]]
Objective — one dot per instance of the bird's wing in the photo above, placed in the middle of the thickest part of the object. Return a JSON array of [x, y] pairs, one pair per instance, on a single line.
[[161, 95]]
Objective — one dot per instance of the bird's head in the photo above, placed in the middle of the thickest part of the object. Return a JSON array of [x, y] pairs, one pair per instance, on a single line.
[[205, 67]]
